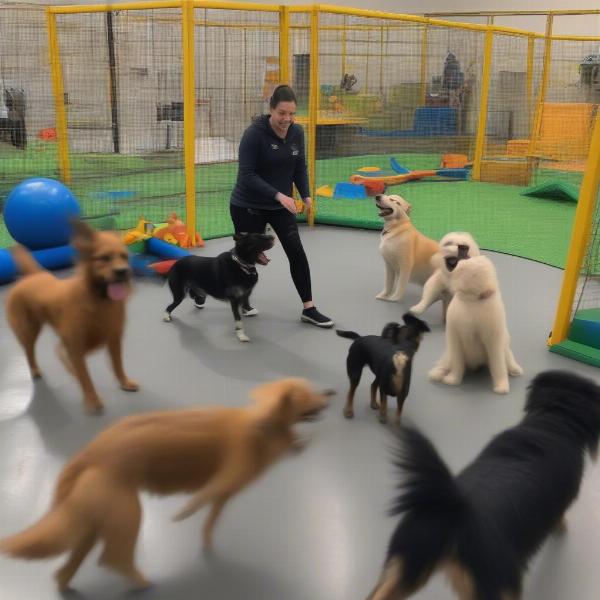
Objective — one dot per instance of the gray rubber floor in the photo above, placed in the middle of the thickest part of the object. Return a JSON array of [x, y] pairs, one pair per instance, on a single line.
[[315, 526]]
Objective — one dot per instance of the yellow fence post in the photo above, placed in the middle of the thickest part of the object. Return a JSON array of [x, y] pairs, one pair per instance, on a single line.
[[313, 109], [483, 105], [424, 46], [530, 57], [539, 106], [64, 163], [189, 116], [579, 236], [284, 44], [344, 42]]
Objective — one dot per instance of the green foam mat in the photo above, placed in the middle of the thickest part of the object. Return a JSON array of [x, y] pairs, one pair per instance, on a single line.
[[576, 351], [553, 190]]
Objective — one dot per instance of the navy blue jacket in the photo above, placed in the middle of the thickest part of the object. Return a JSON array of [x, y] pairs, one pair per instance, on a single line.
[[268, 164]]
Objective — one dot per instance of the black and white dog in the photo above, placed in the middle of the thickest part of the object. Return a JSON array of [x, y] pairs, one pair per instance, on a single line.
[[229, 276], [389, 357]]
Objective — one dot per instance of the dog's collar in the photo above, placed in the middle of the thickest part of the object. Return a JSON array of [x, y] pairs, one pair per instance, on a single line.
[[384, 231], [244, 266]]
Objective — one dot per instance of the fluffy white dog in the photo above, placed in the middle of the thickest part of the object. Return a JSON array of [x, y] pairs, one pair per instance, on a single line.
[[437, 287], [476, 332]]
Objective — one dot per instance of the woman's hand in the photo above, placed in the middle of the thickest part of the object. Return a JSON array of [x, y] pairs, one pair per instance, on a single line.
[[287, 202]]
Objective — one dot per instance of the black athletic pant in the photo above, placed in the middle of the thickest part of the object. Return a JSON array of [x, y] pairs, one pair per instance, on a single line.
[[284, 224]]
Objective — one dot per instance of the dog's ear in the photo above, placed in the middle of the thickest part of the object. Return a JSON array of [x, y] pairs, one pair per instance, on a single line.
[[83, 236], [277, 414], [390, 331], [415, 322]]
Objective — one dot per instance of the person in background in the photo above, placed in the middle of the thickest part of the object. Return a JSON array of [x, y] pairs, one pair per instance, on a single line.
[[271, 160]]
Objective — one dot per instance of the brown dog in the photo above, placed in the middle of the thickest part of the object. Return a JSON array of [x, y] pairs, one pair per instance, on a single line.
[[214, 452], [87, 311]]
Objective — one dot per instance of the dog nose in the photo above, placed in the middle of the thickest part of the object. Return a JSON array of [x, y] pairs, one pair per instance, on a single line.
[[121, 274]]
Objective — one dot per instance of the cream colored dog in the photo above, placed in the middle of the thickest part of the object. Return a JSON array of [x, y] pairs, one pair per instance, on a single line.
[[406, 251], [437, 286], [476, 332], [212, 452]]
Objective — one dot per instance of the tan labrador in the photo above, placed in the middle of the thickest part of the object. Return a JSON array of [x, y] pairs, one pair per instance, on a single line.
[[87, 310], [213, 452], [406, 252]]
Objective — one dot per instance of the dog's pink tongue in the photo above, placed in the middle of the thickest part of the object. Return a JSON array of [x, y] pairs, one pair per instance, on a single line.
[[117, 291]]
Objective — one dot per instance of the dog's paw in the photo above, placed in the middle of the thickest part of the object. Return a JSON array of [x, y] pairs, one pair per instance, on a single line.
[[184, 513], [299, 444], [130, 386], [93, 407], [382, 295], [167, 317], [348, 412], [374, 405], [516, 371], [502, 388], [437, 373], [36, 374], [241, 335], [416, 310], [383, 418], [451, 379]]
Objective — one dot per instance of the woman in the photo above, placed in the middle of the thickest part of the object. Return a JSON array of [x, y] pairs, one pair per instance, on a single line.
[[271, 160]]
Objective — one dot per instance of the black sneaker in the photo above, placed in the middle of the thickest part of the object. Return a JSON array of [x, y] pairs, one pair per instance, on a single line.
[[312, 315]]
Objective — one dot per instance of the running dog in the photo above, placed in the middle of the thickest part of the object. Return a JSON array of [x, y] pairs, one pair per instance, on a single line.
[[212, 452], [229, 276], [87, 310]]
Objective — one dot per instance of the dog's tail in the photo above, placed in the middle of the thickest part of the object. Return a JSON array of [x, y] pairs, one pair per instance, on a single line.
[[53, 534], [25, 261], [74, 516], [432, 506], [347, 334]]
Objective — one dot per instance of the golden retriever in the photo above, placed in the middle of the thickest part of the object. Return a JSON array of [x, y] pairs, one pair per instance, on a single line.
[[87, 310], [213, 452], [406, 251]]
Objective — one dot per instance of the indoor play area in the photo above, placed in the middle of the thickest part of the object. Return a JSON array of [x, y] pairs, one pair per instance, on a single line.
[[129, 118]]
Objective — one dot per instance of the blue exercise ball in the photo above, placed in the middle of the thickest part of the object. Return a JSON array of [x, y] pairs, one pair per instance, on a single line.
[[8, 268], [37, 213]]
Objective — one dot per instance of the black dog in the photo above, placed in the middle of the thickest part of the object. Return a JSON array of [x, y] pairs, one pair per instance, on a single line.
[[389, 357], [228, 276], [484, 525]]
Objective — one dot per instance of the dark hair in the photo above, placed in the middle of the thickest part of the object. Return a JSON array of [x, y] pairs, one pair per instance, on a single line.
[[282, 93]]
